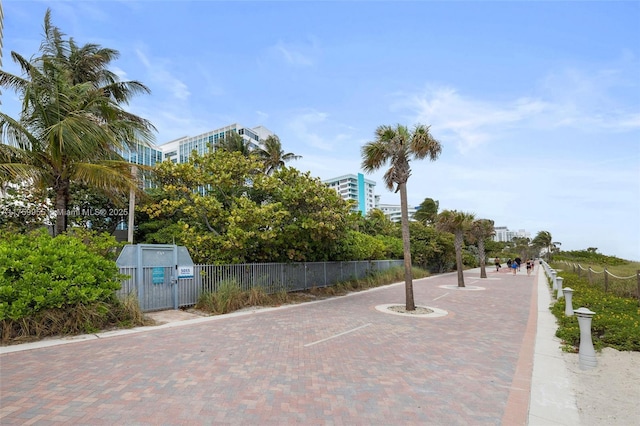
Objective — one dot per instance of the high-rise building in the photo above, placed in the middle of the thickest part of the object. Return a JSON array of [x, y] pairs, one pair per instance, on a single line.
[[503, 234], [179, 150], [146, 156], [356, 188]]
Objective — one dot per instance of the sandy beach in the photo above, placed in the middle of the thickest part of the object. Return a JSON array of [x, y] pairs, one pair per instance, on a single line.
[[608, 394]]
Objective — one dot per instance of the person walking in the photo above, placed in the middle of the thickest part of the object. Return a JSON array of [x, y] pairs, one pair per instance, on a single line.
[[518, 261], [497, 262], [529, 266], [514, 267], [509, 262]]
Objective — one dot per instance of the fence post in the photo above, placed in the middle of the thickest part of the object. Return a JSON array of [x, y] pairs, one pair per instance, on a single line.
[[579, 271], [325, 273], [606, 280], [590, 279], [638, 275]]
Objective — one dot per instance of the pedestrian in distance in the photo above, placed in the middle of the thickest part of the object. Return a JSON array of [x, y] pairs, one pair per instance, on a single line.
[[514, 267], [498, 265], [509, 262], [518, 261], [529, 266]]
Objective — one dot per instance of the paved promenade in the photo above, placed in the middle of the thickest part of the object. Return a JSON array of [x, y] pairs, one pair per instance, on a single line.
[[333, 362]]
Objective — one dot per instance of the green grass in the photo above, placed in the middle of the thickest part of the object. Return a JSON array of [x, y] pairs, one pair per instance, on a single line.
[[230, 298]]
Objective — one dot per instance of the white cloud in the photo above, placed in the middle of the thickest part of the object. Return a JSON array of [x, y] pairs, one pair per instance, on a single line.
[[568, 99], [298, 54], [157, 73], [305, 126], [468, 122], [262, 116]]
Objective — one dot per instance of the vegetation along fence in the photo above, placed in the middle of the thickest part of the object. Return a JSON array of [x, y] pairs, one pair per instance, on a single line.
[[610, 283], [160, 289]]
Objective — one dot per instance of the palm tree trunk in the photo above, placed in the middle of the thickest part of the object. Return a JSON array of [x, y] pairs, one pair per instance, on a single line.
[[406, 246], [61, 203], [483, 270], [459, 266]]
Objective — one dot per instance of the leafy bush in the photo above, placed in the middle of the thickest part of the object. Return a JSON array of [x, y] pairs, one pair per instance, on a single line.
[[102, 244], [616, 322], [393, 246], [359, 246], [50, 285], [589, 257]]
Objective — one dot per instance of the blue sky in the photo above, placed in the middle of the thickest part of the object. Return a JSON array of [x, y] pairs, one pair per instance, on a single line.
[[536, 104]]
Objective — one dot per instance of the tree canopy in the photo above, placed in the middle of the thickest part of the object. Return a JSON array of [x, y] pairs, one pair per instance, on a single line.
[[427, 211], [72, 121], [230, 211]]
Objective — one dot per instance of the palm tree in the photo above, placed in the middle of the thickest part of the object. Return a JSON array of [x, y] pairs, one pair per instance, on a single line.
[[479, 231], [555, 248], [233, 142], [427, 211], [397, 146], [543, 239], [71, 124], [274, 157], [457, 223]]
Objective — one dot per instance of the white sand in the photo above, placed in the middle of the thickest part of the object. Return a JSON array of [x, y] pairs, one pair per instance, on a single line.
[[608, 394]]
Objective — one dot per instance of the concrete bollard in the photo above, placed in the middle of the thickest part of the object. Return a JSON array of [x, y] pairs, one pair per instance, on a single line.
[[559, 282], [568, 306], [553, 279], [586, 354]]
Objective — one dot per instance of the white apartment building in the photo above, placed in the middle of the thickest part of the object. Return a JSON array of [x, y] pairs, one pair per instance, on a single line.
[[394, 212], [503, 234], [356, 188], [179, 150]]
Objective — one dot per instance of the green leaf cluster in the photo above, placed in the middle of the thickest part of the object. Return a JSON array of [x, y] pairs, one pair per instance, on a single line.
[[39, 272], [616, 322], [359, 246], [431, 249], [229, 211]]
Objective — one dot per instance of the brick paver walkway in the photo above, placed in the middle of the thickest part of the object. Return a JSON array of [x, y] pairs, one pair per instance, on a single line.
[[335, 362]]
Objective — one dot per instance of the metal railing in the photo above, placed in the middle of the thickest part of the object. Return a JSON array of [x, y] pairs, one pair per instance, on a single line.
[[272, 277]]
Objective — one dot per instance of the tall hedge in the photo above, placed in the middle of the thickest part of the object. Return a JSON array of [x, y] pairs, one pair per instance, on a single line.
[[39, 273]]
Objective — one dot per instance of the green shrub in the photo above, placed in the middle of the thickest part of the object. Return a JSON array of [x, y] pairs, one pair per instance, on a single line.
[[102, 244], [359, 246], [589, 257], [44, 279], [616, 322]]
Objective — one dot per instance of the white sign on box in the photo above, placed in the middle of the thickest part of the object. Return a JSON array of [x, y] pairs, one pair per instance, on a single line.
[[185, 271]]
